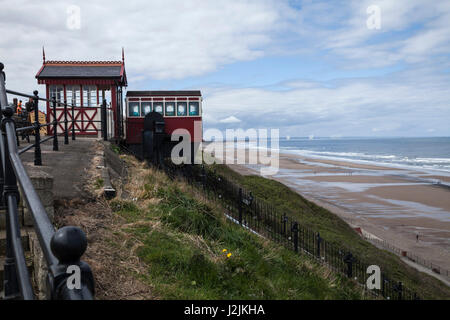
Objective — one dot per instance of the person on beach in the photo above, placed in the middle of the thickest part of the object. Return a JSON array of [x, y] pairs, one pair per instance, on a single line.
[[417, 237]]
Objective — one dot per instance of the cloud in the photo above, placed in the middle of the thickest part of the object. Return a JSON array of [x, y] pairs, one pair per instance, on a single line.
[[230, 119], [184, 40], [162, 39], [396, 104], [411, 31]]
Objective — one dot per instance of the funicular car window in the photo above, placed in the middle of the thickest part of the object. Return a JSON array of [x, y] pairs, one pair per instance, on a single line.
[[146, 108], [133, 109], [181, 109], [193, 108], [170, 108], [158, 107]]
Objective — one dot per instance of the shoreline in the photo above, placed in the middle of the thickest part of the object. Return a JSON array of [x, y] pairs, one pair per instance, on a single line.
[[388, 203]]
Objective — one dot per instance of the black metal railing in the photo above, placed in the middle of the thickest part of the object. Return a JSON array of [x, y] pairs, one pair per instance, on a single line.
[[261, 218], [68, 277], [54, 124]]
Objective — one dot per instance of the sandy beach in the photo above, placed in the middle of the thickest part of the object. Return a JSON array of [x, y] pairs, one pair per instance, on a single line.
[[392, 204]]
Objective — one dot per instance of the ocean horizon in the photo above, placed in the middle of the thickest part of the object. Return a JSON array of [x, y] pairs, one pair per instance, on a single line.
[[416, 153]]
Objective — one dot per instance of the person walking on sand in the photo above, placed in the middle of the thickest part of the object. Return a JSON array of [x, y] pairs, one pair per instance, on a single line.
[[417, 237]]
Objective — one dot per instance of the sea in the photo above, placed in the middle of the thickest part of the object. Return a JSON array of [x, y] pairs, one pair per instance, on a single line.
[[430, 153]]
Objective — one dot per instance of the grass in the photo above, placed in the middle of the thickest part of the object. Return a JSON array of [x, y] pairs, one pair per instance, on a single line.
[[115, 148], [180, 238], [98, 183], [335, 230]]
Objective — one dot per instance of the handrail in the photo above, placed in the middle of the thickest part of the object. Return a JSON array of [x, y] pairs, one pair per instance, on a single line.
[[17, 93], [62, 248], [44, 228]]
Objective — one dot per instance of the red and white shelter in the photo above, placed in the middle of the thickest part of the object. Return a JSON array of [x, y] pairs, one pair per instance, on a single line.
[[84, 84]]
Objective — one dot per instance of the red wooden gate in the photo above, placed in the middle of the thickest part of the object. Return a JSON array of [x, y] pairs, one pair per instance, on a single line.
[[85, 120]]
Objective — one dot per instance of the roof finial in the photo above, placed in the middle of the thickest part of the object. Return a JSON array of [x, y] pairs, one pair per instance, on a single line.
[[123, 56], [43, 54]]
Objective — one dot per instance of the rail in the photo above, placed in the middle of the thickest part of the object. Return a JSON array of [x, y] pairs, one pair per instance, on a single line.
[[63, 248]]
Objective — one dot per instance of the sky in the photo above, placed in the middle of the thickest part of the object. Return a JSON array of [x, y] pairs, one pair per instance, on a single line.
[[323, 68]]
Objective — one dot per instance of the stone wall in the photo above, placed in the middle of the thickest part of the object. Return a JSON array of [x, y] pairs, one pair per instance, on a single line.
[[43, 184]]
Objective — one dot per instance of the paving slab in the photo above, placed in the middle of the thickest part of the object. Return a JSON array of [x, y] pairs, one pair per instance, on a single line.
[[68, 166]]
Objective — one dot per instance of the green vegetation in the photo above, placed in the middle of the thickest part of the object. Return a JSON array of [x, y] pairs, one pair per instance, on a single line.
[[335, 230], [115, 148], [99, 183], [180, 239]]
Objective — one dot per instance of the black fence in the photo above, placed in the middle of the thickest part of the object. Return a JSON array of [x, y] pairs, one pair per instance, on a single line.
[[63, 248], [263, 219]]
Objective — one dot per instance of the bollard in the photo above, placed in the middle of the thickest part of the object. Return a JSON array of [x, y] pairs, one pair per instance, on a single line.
[[55, 127], [37, 131], [66, 132]]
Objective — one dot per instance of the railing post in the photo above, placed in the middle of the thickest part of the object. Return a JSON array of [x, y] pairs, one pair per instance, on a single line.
[[17, 283], [400, 290], [319, 240], [10, 280], [3, 104], [295, 230], [73, 122], [240, 205], [348, 259], [68, 244], [66, 132], [55, 126], [203, 175], [104, 122], [37, 131]]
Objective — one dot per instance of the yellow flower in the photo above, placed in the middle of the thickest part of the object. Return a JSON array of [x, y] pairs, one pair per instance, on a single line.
[[229, 255], [224, 250]]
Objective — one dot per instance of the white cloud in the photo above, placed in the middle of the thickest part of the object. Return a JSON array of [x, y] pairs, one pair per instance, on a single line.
[[396, 104], [162, 39], [411, 31], [230, 119]]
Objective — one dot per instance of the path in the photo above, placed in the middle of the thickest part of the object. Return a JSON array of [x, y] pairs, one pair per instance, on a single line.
[[68, 166]]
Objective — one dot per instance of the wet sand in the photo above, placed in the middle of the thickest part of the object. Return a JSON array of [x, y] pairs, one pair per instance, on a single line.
[[392, 204]]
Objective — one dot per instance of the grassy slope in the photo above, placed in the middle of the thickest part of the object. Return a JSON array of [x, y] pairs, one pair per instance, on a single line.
[[334, 229], [180, 238]]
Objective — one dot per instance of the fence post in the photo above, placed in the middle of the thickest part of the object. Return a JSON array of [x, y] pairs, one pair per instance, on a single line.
[[240, 205], [55, 126], [73, 121], [104, 123], [295, 230], [66, 132], [284, 223], [319, 240], [348, 259], [68, 245], [203, 177], [11, 286], [37, 131], [400, 290], [10, 191]]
